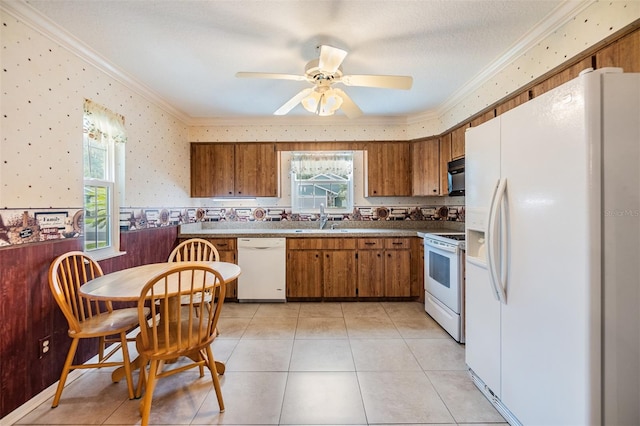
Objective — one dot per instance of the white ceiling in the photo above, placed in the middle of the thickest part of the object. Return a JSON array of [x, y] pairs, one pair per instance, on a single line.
[[187, 52]]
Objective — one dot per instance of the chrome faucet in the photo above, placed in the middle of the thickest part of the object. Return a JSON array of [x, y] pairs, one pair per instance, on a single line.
[[323, 216]]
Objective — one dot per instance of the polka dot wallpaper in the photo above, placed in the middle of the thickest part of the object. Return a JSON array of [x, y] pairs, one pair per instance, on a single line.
[[43, 89]]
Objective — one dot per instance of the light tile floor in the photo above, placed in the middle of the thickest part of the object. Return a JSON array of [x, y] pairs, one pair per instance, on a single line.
[[302, 364]]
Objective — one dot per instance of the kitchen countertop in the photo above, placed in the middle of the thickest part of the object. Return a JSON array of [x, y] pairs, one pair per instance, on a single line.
[[304, 229]]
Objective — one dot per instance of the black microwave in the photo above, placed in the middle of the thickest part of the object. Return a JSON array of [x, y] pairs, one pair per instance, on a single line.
[[456, 177]]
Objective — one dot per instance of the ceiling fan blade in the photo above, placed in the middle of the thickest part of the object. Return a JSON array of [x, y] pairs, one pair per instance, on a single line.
[[381, 81], [291, 103], [330, 58], [349, 107], [274, 76]]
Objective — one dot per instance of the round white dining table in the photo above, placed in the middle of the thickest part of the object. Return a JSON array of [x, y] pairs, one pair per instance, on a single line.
[[126, 285]]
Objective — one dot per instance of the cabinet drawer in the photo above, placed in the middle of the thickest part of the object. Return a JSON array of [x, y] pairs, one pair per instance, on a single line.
[[224, 244], [397, 243], [370, 243]]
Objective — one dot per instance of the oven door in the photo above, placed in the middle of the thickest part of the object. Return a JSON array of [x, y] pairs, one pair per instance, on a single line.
[[442, 274]]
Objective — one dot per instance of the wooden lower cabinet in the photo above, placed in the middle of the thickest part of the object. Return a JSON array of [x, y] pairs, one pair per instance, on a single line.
[[338, 273], [397, 273], [384, 267], [371, 276], [321, 268], [304, 273], [227, 250]]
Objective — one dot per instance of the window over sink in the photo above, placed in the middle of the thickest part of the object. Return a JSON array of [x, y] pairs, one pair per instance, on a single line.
[[322, 177]]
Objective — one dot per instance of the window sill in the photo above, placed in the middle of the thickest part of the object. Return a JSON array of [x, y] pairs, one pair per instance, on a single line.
[[105, 254]]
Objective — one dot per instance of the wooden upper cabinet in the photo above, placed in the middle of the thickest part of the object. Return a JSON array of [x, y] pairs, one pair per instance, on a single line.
[[483, 118], [624, 53], [212, 169], [445, 157], [457, 142], [234, 170], [426, 167], [256, 170], [561, 77], [512, 103], [388, 169]]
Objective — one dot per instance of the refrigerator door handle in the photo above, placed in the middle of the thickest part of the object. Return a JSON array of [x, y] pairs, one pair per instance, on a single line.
[[489, 242], [502, 283], [494, 210]]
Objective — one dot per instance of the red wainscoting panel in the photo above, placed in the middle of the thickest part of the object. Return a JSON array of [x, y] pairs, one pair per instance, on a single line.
[[29, 313]]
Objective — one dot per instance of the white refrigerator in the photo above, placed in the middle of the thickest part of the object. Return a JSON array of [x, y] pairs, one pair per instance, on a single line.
[[553, 254]]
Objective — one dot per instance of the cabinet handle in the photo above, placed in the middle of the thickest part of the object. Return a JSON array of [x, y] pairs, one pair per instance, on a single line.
[[397, 244], [369, 244]]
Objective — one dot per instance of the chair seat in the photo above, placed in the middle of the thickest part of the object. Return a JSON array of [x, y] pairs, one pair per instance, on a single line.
[[109, 322]]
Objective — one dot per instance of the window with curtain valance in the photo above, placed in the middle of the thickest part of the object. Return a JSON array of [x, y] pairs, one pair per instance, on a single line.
[[322, 178], [103, 133]]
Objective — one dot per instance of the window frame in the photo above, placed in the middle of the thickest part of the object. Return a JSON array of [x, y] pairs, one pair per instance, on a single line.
[[113, 181], [298, 208]]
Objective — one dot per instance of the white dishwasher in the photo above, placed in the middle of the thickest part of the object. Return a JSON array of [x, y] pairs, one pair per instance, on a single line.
[[263, 265]]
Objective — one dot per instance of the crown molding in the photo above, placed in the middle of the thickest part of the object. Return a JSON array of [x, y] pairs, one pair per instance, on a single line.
[[28, 15], [552, 22]]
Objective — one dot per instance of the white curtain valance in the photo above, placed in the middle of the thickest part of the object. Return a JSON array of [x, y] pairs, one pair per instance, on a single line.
[[311, 164], [100, 122]]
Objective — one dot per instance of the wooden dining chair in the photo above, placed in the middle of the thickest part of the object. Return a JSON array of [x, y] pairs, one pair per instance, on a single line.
[[175, 330], [194, 249], [89, 319]]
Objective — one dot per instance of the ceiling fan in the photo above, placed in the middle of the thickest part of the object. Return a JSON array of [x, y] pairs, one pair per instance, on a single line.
[[323, 99]]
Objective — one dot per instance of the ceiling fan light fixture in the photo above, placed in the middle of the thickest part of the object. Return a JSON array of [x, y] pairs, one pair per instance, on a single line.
[[324, 103]]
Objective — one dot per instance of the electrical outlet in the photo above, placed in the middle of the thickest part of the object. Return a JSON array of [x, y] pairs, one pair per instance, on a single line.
[[44, 346]]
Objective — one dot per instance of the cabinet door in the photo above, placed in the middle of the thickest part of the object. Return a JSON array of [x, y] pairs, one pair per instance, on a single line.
[[304, 273], [457, 142], [623, 53], [232, 287], [371, 273], [212, 169], [561, 77], [338, 273], [397, 271], [256, 170], [445, 157], [388, 169], [426, 167]]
